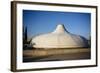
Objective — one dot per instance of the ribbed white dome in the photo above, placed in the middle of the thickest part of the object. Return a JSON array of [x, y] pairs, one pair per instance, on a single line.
[[59, 38]]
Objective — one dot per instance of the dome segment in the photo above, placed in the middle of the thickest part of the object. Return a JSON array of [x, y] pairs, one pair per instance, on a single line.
[[60, 29], [59, 38]]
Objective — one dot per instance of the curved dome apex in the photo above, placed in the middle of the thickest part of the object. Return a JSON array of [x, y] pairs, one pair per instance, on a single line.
[[59, 38], [60, 29]]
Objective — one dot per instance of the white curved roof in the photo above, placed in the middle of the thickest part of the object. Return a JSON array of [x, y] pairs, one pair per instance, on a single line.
[[59, 38]]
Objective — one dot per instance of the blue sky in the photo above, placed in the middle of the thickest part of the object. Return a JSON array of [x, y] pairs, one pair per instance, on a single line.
[[38, 22]]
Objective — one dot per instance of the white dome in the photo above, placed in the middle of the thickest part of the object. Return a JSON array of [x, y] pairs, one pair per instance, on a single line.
[[59, 38]]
